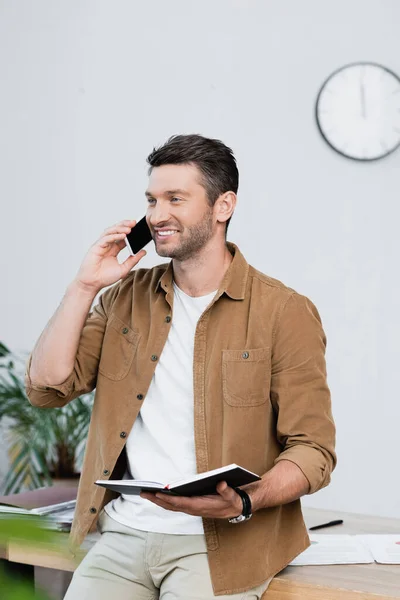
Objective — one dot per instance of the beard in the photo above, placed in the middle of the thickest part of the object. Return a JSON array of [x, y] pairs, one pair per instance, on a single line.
[[192, 240]]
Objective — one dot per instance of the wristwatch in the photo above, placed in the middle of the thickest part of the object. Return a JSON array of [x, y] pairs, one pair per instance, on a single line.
[[246, 513]]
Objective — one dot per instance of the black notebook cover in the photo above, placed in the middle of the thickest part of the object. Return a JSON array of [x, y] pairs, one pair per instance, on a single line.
[[234, 478]]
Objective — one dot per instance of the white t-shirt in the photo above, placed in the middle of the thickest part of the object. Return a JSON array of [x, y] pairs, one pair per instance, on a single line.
[[160, 446]]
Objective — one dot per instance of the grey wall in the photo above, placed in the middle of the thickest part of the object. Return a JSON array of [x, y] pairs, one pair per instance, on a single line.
[[89, 87]]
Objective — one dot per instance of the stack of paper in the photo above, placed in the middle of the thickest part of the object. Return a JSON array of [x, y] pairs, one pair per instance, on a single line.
[[350, 549], [54, 506], [55, 516], [14, 510]]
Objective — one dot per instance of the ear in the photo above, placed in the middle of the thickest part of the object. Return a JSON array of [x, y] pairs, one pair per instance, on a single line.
[[225, 206]]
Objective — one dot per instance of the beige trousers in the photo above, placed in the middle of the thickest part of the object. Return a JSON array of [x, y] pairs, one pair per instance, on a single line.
[[128, 564]]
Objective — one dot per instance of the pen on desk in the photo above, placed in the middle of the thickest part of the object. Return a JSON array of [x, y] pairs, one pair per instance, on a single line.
[[330, 524]]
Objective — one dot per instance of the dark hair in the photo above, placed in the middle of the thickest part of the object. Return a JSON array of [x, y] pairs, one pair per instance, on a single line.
[[214, 160]]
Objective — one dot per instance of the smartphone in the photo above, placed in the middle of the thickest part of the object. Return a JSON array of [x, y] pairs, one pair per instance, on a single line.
[[139, 237]]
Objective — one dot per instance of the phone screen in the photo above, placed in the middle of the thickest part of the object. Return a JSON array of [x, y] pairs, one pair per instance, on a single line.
[[139, 237]]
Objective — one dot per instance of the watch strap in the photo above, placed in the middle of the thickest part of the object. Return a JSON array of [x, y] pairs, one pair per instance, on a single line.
[[246, 502], [246, 512]]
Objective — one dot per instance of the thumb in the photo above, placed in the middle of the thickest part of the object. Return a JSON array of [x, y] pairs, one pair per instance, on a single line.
[[225, 491], [230, 496]]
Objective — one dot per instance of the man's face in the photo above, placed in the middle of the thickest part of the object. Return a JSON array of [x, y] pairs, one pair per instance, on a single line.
[[178, 213]]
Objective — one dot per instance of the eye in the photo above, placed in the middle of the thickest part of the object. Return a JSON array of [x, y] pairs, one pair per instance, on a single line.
[[151, 200], [175, 199]]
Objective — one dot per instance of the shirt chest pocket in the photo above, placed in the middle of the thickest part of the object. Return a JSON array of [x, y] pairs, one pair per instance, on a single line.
[[119, 347], [246, 376]]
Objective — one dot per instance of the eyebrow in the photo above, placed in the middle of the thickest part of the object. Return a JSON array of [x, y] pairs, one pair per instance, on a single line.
[[169, 193]]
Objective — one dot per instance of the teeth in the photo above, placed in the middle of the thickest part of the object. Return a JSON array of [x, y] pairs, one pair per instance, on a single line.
[[165, 233]]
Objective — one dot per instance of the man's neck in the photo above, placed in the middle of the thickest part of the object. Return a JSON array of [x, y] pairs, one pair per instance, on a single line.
[[202, 274]]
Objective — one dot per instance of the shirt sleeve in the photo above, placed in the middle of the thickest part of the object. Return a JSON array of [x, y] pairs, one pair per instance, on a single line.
[[300, 393], [84, 375]]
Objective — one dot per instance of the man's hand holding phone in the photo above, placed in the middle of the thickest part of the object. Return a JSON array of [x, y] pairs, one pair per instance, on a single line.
[[100, 267], [53, 361]]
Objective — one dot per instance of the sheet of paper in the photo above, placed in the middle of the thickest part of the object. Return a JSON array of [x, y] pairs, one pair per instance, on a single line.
[[385, 548], [63, 517], [4, 508], [54, 509], [334, 550]]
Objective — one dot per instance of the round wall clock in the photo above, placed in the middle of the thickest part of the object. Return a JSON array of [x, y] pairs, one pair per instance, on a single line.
[[358, 111]]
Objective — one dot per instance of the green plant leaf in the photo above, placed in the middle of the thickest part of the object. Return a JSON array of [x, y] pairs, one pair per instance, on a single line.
[[3, 350], [22, 473], [29, 531], [42, 442], [26, 529], [12, 589]]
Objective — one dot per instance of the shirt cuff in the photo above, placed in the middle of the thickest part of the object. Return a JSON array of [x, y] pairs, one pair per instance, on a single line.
[[62, 389], [311, 461]]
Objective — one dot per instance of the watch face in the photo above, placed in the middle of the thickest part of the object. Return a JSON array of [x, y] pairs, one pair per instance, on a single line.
[[358, 111], [240, 519]]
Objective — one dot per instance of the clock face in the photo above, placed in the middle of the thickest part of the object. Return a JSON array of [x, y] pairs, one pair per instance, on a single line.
[[358, 111]]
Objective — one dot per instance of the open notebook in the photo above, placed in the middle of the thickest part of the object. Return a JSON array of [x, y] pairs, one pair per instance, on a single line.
[[198, 485]]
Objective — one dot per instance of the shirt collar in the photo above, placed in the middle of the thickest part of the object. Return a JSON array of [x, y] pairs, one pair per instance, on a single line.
[[233, 284]]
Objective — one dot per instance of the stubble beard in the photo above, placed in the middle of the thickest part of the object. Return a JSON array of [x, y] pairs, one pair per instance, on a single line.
[[194, 240]]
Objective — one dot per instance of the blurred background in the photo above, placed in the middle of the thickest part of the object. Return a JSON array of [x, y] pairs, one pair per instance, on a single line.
[[89, 87]]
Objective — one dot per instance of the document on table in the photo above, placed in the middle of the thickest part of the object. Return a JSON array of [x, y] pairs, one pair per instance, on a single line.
[[384, 548], [334, 550], [350, 549]]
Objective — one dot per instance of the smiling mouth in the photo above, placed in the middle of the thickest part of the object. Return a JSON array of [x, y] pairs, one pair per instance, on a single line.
[[163, 235]]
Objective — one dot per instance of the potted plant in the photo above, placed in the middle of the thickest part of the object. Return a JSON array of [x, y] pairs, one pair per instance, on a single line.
[[43, 445]]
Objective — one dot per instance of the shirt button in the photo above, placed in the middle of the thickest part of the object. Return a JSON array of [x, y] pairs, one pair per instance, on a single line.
[[125, 330], [154, 357], [122, 434], [139, 396], [106, 472], [93, 510], [168, 319], [245, 355]]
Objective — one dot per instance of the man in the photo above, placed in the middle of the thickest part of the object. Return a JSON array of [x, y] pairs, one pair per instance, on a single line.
[[197, 363]]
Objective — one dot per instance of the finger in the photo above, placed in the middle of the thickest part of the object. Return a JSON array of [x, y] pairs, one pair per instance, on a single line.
[[131, 262], [194, 505], [129, 223], [120, 245], [116, 229], [222, 487], [231, 497], [159, 502], [125, 224], [190, 506], [172, 500], [227, 493], [107, 240], [117, 247]]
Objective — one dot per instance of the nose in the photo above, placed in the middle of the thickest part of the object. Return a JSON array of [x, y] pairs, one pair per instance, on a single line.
[[159, 214]]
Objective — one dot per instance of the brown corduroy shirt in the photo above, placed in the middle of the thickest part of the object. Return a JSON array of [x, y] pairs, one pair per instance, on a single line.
[[260, 396]]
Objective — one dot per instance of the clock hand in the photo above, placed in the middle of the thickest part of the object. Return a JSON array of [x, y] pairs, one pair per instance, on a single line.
[[362, 97], [363, 107]]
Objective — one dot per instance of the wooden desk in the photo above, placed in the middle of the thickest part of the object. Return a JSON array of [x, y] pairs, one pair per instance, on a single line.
[[333, 582]]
